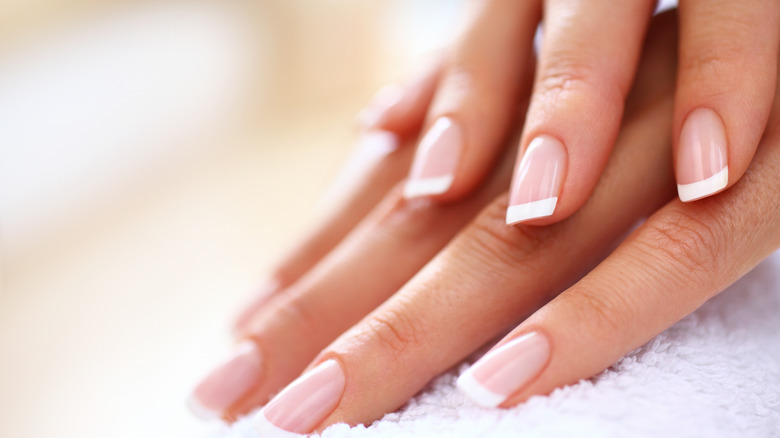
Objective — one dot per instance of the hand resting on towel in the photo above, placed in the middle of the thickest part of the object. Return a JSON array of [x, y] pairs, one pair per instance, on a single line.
[[387, 291]]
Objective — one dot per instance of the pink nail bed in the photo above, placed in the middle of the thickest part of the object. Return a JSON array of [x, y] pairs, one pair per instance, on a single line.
[[386, 98], [300, 407], [436, 160], [506, 369], [702, 165], [537, 181], [227, 383]]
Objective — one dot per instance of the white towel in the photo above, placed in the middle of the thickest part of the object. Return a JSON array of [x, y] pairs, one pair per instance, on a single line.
[[714, 374]]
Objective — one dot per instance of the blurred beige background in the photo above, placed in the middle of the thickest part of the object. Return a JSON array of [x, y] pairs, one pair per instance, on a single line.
[[155, 157]]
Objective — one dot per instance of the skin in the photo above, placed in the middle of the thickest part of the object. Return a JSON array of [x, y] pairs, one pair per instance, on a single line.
[[459, 272], [727, 62]]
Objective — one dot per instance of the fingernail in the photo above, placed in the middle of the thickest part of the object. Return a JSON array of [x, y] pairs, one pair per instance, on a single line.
[[436, 159], [702, 166], [537, 181], [378, 143], [386, 98], [503, 371], [227, 383], [303, 404]]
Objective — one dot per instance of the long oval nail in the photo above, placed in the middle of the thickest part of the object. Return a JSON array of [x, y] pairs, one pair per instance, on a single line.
[[386, 98], [506, 369], [537, 181], [702, 163], [436, 160], [227, 383], [300, 407]]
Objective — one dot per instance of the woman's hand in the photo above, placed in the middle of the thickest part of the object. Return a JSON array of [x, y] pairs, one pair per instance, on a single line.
[[728, 56], [491, 275], [342, 271], [380, 160]]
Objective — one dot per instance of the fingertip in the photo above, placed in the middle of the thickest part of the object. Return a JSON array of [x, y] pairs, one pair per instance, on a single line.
[[477, 392], [506, 369], [529, 211], [199, 410], [418, 188], [436, 161], [381, 108], [538, 180], [704, 188]]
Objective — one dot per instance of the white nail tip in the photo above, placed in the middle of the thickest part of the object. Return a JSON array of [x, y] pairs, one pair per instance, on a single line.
[[530, 210], [427, 186], [477, 392], [200, 411], [266, 429], [705, 187]]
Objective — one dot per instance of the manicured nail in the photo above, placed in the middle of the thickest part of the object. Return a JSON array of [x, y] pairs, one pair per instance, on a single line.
[[378, 143], [702, 163], [300, 407], [505, 370], [537, 181], [437, 156], [227, 383], [376, 111]]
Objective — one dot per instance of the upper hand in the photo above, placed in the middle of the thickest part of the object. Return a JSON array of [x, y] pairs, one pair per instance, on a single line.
[[727, 64]]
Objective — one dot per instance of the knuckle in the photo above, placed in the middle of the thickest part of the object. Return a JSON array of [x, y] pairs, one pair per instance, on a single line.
[[601, 310], [302, 312], [687, 242], [406, 219], [457, 84], [394, 330], [285, 273], [574, 73], [708, 61], [492, 239]]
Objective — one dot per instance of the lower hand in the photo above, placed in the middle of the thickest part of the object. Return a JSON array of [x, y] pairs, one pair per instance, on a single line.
[[369, 360]]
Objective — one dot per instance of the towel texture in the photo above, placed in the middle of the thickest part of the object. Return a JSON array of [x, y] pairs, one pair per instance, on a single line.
[[714, 374]]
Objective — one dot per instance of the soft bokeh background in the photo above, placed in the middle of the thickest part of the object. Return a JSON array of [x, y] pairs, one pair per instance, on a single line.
[[155, 157]]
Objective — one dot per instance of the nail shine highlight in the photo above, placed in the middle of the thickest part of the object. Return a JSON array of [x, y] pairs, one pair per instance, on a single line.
[[300, 407]]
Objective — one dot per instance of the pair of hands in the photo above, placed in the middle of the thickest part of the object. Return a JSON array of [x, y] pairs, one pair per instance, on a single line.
[[387, 291]]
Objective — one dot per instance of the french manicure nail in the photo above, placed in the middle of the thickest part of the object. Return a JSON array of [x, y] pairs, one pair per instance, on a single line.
[[386, 98], [303, 404], [537, 181], [702, 166], [505, 370], [227, 383], [436, 160]]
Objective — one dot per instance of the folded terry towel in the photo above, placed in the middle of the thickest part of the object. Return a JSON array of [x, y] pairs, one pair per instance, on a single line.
[[714, 374]]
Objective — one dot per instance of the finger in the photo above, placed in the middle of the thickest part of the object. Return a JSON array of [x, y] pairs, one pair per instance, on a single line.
[[391, 244], [726, 84], [376, 165], [474, 106], [401, 108], [586, 66], [390, 121], [682, 256], [470, 291]]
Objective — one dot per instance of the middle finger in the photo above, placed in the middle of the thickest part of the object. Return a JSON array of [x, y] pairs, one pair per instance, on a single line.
[[370, 264], [445, 311]]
